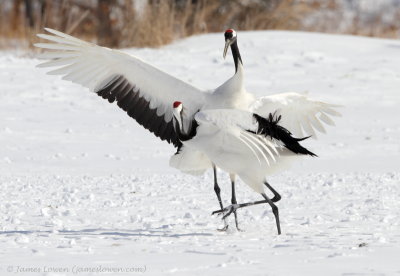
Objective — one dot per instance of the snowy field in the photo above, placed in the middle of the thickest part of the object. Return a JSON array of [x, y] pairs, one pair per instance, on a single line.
[[83, 186]]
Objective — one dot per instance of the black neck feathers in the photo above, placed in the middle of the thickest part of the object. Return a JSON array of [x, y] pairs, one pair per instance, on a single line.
[[186, 136], [236, 54]]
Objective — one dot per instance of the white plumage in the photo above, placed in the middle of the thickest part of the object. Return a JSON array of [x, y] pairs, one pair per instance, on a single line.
[[301, 115], [224, 136], [231, 139], [93, 67]]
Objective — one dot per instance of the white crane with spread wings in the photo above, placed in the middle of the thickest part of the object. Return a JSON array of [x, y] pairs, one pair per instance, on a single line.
[[147, 93]]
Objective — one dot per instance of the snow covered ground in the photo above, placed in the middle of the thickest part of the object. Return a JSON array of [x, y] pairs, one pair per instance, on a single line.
[[84, 187]]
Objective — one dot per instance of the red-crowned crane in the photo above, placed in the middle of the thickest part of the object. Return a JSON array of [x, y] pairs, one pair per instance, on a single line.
[[300, 115], [243, 144], [146, 94]]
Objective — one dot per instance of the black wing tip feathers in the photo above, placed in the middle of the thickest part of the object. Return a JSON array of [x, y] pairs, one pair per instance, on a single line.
[[119, 89], [270, 127]]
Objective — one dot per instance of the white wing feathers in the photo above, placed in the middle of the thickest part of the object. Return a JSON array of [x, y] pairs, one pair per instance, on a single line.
[[300, 115], [241, 125], [94, 67]]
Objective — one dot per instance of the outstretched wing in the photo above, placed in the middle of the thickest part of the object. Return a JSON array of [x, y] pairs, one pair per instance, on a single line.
[[300, 115], [143, 91]]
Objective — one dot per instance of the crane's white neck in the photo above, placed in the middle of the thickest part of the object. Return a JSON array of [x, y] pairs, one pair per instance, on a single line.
[[178, 122]]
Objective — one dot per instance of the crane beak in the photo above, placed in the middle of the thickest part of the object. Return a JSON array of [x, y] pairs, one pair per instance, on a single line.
[[228, 43]]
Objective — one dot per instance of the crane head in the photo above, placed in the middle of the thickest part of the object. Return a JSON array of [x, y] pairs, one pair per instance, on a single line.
[[177, 106], [230, 37], [177, 112]]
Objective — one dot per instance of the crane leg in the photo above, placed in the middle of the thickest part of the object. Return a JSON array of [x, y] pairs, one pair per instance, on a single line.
[[277, 196], [217, 190], [233, 200], [275, 211], [232, 208]]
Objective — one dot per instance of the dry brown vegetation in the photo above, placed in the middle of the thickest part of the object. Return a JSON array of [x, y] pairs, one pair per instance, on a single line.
[[330, 17], [125, 23], [121, 23]]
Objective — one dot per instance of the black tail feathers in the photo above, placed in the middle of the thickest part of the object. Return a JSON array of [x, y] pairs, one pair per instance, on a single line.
[[270, 128]]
